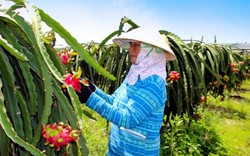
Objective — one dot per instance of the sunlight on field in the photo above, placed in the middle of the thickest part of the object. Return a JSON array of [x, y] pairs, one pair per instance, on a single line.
[[233, 121]]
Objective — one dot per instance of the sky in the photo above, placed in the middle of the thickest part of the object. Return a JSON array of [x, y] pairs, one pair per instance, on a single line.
[[226, 20]]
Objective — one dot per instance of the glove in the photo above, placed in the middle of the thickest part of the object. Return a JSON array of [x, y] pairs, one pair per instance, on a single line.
[[87, 88]]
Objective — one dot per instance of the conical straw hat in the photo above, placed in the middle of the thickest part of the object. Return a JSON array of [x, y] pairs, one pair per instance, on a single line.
[[153, 38]]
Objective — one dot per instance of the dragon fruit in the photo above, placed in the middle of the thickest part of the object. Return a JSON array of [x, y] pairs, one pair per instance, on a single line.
[[73, 81], [64, 56], [203, 99], [173, 76], [234, 66], [58, 135]]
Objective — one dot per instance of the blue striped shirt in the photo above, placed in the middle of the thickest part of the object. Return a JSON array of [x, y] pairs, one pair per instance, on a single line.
[[136, 112]]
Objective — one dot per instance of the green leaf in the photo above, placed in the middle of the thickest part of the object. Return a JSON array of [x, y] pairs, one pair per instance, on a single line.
[[24, 66], [108, 38], [36, 25], [25, 114], [12, 106], [71, 41], [4, 43], [31, 49], [77, 108], [4, 143], [6, 68], [8, 128], [76, 105], [10, 132]]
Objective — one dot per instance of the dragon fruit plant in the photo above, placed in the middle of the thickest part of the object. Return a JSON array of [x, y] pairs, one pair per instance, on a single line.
[[31, 78]]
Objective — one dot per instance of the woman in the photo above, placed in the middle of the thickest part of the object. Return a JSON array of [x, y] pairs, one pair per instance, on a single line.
[[136, 108]]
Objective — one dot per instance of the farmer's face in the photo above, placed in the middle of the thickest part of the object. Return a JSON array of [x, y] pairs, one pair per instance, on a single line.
[[134, 50]]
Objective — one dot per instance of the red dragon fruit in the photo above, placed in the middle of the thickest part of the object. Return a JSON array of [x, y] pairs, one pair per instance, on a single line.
[[65, 56], [174, 76], [58, 135], [73, 80], [203, 99]]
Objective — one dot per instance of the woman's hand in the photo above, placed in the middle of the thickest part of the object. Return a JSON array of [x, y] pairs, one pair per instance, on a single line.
[[86, 90]]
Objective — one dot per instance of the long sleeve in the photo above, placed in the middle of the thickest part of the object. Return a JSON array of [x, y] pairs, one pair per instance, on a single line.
[[108, 98], [131, 105]]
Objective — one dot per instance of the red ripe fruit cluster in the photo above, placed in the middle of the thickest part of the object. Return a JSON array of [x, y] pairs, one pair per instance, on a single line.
[[58, 135], [64, 56], [73, 81], [173, 76]]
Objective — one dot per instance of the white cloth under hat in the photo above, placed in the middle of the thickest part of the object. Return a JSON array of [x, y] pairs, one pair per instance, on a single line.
[[149, 62]]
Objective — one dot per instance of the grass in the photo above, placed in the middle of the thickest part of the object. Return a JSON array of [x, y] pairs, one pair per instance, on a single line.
[[231, 119], [96, 133]]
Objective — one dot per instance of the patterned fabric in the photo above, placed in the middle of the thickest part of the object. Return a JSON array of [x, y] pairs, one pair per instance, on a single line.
[[136, 112], [150, 61]]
